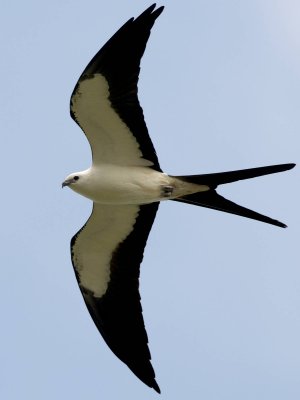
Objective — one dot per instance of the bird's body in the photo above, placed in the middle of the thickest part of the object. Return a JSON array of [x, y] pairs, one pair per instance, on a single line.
[[126, 184], [115, 184]]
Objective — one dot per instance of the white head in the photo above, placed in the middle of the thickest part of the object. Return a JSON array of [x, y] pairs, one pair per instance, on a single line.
[[79, 182], [71, 180]]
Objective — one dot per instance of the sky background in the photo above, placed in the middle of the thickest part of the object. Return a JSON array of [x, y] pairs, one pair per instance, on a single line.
[[220, 88]]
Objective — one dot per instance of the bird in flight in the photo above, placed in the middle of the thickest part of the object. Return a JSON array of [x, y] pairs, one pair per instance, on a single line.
[[126, 184]]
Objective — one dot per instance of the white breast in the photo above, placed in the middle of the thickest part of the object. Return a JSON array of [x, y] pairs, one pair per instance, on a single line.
[[114, 184]]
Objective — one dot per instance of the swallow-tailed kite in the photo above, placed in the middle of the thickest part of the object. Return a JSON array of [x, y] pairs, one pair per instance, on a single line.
[[126, 184]]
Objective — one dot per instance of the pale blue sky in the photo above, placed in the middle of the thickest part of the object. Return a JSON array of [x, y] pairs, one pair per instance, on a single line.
[[221, 294]]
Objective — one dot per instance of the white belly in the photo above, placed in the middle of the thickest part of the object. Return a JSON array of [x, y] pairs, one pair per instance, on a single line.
[[113, 184], [116, 184]]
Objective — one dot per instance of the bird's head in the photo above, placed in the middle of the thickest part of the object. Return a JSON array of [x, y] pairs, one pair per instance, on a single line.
[[72, 179], [80, 182]]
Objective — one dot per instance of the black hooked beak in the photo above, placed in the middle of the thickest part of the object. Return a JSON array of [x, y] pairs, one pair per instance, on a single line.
[[66, 183]]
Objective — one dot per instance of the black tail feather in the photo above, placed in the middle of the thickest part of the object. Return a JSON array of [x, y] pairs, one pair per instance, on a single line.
[[212, 199], [220, 178]]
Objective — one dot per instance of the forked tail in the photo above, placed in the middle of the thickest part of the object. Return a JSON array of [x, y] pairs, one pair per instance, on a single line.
[[211, 199]]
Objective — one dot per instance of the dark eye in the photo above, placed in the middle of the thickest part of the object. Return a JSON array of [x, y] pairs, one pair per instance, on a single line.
[[76, 178]]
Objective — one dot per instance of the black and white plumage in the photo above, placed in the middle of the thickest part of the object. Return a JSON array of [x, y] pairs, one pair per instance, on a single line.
[[126, 184]]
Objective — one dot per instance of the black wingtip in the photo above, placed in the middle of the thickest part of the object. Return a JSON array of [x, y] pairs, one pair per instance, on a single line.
[[156, 387], [151, 10]]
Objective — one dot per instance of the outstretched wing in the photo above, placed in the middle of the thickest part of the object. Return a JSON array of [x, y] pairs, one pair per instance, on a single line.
[[105, 103], [106, 256]]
